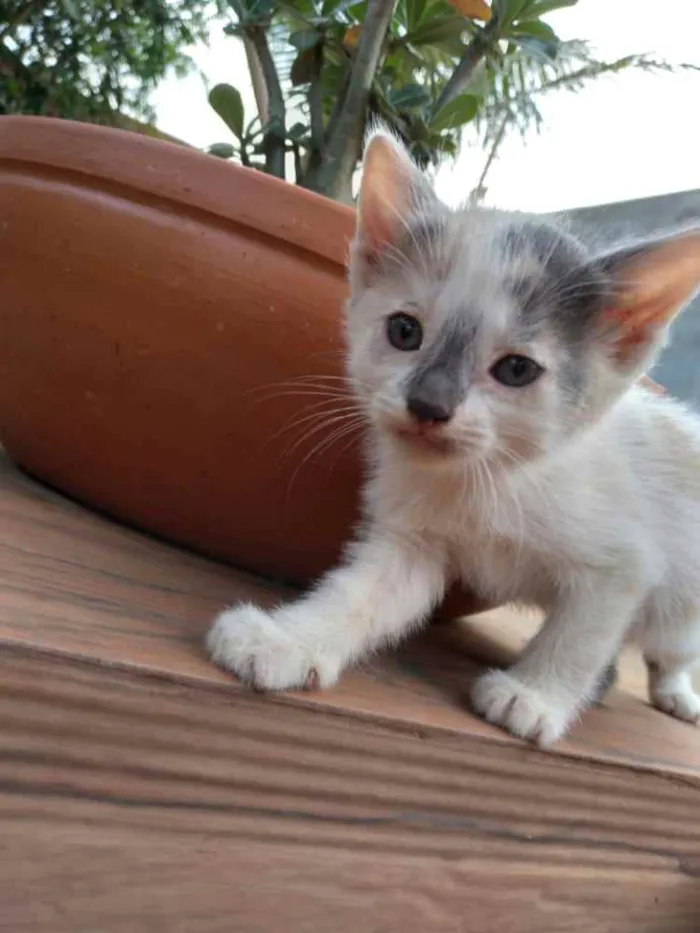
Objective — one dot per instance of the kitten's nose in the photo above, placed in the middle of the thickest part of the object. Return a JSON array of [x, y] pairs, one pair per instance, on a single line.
[[428, 411]]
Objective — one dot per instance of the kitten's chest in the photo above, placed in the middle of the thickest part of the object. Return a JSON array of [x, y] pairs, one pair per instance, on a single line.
[[496, 545], [502, 567]]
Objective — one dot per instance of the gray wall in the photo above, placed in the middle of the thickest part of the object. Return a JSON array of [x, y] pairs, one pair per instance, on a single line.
[[679, 367]]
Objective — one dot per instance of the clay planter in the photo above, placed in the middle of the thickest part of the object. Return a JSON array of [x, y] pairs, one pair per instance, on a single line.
[[156, 307]]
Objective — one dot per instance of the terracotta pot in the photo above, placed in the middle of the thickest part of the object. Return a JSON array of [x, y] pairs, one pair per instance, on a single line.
[[157, 307]]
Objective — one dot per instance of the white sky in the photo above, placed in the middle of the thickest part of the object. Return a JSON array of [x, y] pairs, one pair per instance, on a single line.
[[625, 136]]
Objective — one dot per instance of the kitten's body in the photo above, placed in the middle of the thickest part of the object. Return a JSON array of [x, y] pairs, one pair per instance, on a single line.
[[631, 482], [578, 492]]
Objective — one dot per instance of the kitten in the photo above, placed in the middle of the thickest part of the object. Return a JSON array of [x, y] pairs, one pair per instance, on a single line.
[[510, 446]]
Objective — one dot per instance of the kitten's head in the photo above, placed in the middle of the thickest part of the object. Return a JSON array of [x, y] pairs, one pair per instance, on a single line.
[[477, 333]]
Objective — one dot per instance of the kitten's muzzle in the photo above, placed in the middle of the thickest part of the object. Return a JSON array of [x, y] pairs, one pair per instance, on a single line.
[[433, 395], [424, 428]]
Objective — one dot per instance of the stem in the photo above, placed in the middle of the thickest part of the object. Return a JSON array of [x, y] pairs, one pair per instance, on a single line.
[[479, 191], [348, 120], [257, 80], [298, 168], [243, 153], [316, 101], [315, 98], [335, 115], [275, 129], [462, 75]]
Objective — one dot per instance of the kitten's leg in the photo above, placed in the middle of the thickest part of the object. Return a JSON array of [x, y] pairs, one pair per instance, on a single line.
[[669, 635], [671, 686], [384, 589], [557, 674], [606, 680]]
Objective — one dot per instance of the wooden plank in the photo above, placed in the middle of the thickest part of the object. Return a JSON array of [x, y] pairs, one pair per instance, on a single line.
[[132, 802], [72, 582]]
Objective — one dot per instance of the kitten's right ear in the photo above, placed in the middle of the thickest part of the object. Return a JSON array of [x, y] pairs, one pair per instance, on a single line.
[[391, 192]]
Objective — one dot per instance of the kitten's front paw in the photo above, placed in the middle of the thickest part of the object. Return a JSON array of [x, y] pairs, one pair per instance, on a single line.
[[522, 710], [251, 644]]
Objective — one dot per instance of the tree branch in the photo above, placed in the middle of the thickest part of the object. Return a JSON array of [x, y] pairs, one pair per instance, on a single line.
[[479, 192], [257, 79], [518, 109], [348, 120], [316, 105], [473, 54], [275, 130]]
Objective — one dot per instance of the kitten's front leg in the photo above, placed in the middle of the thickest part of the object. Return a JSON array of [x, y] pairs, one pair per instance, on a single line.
[[384, 589], [557, 675]]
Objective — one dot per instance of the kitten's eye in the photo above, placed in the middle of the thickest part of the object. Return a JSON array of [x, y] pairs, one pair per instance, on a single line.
[[516, 371], [404, 331]]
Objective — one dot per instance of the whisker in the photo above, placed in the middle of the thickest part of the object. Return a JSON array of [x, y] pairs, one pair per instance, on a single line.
[[302, 393], [320, 417], [312, 432], [348, 429]]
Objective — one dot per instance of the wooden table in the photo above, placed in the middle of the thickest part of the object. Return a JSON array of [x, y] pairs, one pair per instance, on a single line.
[[143, 790]]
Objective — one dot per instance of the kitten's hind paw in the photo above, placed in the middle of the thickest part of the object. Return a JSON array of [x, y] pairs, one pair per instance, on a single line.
[[681, 702], [520, 709], [264, 654]]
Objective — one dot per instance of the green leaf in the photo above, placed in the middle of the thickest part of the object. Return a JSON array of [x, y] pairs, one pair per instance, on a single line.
[[414, 13], [533, 28], [408, 97], [303, 68], [304, 39], [461, 110], [537, 48], [71, 9], [542, 7], [332, 7], [222, 150], [238, 7], [260, 9], [507, 11], [298, 131], [436, 29], [226, 101]]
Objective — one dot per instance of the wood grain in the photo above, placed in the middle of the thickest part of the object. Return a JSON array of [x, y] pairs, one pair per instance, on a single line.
[[73, 582], [138, 803], [142, 789]]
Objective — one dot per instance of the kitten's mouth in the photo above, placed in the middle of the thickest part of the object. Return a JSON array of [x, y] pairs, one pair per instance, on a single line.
[[425, 438]]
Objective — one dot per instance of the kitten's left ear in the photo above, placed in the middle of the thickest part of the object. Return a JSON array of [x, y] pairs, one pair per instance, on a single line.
[[651, 283]]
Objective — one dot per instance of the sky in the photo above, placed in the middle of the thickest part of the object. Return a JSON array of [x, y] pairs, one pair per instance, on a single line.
[[625, 136]]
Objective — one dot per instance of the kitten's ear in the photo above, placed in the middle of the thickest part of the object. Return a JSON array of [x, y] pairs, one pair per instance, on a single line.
[[651, 283], [392, 190]]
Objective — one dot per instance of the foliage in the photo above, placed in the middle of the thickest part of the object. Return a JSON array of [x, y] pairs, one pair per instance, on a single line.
[[513, 92], [90, 59], [426, 68]]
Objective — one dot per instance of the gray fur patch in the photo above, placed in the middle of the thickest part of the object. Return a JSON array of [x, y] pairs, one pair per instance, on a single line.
[[565, 287], [442, 378], [562, 292]]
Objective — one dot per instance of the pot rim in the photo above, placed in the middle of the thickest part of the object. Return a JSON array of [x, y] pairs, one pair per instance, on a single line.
[[134, 166]]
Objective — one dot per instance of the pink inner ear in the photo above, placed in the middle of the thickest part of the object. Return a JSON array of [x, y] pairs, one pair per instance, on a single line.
[[653, 288], [635, 325], [384, 198]]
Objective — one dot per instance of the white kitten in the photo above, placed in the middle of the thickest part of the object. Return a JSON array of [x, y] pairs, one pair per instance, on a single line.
[[509, 447]]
